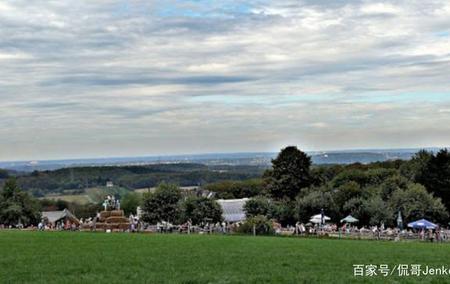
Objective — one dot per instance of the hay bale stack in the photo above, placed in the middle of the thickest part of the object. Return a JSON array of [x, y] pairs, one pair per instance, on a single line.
[[116, 219], [117, 213], [104, 215]]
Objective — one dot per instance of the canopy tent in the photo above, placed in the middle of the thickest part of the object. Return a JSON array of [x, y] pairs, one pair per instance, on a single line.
[[349, 219], [422, 224], [317, 219]]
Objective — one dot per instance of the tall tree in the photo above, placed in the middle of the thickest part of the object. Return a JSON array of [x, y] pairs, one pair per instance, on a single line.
[[162, 205], [414, 168], [17, 207], [290, 173], [436, 176]]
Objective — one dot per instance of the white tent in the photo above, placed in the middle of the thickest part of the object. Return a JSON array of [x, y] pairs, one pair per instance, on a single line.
[[317, 219], [233, 209]]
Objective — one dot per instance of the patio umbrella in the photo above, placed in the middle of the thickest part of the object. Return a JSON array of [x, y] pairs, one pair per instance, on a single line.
[[422, 224], [349, 219], [317, 219]]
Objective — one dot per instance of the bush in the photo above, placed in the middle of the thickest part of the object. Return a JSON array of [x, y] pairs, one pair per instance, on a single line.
[[259, 205], [262, 225]]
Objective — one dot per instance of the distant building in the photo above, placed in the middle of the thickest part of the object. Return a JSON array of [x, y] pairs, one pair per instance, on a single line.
[[233, 209], [52, 217], [109, 184]]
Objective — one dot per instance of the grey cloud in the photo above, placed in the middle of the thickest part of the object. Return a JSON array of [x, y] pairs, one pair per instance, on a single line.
[[314, 73]]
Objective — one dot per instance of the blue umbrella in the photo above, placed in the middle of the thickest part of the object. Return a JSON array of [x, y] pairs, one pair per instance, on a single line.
[[422, 224]]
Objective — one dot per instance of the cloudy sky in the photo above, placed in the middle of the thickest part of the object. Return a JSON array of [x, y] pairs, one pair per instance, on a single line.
[[119, 78]]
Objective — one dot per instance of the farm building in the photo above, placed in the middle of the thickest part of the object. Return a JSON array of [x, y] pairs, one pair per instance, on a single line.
[[65, 215]]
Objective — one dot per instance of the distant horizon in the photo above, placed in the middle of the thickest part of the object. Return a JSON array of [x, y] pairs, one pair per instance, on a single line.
[[223, 153]]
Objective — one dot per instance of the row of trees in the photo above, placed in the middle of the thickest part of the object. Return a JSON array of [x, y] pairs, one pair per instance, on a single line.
[[294, 191]]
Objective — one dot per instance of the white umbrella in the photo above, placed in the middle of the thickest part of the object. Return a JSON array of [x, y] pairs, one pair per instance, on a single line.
[[317, 219]]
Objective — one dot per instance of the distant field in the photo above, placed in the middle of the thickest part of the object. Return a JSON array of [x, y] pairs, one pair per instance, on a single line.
[[81, 199], [67, 257], [97, 194], [144, 190], [90, 195]]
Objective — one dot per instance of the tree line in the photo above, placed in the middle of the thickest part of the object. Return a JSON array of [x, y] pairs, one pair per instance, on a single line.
[[41, 183], [291, 190], [294, 191]]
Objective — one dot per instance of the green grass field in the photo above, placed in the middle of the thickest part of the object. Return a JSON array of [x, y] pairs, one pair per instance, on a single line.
[[77, 257]]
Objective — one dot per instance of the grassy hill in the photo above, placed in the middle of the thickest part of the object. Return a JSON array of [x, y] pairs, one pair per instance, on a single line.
[[131, 177], [71, 257]]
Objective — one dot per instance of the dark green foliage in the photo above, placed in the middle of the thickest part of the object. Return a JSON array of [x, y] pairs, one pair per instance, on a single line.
[[289, 174], [312, 204], [416, 203], [435, 175], [259, 225], [259, 205], [200, 209], [236, 189], [162, 205], [17, 207], [372, 193], [414, 168], [132, 177], [364, 178], [283, 212], [4, 174], [130, 202]]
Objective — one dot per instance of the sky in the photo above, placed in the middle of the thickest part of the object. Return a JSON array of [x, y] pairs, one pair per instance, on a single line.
[[128, 78]]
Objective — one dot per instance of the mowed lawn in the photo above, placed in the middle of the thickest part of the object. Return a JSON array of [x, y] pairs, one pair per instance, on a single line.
[[78, 257]]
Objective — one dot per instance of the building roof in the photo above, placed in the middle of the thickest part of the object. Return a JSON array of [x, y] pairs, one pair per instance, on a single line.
[[55, 216], [233, 209]]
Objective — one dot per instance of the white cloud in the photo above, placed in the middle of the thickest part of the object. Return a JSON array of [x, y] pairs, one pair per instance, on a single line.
[[146, 77]]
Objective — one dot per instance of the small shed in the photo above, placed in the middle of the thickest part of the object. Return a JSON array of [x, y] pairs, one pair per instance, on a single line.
[[233, 209], [57, 216]]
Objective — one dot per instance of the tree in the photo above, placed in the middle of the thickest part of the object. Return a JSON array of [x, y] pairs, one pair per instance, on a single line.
[[313, 203], [260, 225], [371, 210], [290, 173], [17, 207], [200, 209], [162, 205], [436, 176], [415, 167], [283, 211], [378, 210], [130, 202], [259, 205], [345, 192], [4, 174], [416, 203]]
